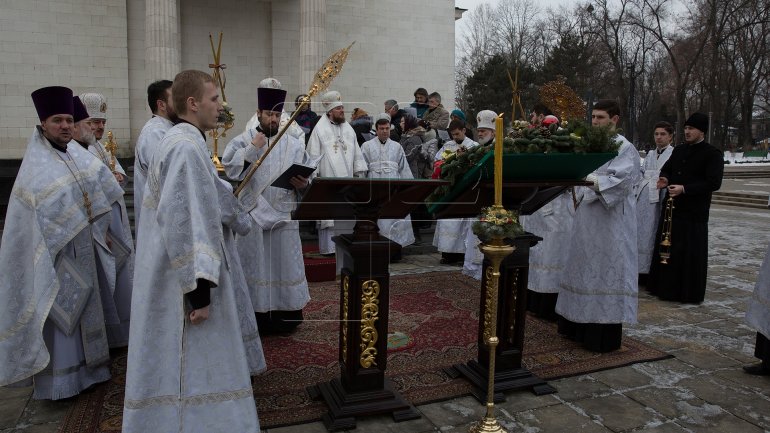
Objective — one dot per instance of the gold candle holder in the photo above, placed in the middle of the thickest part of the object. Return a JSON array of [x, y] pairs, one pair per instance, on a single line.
[[495, 252]]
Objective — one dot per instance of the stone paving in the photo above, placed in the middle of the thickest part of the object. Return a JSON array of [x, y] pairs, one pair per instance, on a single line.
[[701, 390]]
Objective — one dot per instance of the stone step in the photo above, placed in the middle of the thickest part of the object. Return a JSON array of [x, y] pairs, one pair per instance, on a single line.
[[738, 204], [741, 197]]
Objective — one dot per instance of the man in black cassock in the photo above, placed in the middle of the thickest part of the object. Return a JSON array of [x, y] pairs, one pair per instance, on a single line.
[[691, 174]]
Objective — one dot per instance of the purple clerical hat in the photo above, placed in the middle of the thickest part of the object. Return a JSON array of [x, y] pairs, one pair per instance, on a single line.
[[80, 112], [270, 99], [53, 100]]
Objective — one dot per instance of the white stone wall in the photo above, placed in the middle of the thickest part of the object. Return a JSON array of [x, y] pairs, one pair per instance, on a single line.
[[100, 46], [75, 43]]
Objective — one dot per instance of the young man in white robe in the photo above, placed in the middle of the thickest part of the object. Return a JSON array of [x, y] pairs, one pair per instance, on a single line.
[[758, 317], [386, 160], [187, 368], [272, 252], [117, 254], [649, 197], [334, 138], [52, 329], [449, 236], [598, 290], [159, 100], [474, 258]]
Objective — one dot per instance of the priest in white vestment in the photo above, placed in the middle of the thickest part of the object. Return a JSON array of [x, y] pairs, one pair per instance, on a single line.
[[648, 196], [159, 99], [52, 328], [758, 317], [187, 370], [449, 236], [598, 290], [386, 160], [334, 138], [96, 105], [271, 253], [114, 249], [474, 258], [115, 256]]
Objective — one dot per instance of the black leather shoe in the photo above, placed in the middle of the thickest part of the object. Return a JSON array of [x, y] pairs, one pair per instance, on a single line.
[[757, 370]]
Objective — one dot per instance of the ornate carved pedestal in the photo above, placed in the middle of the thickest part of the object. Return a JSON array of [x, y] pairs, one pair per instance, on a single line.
[[510, 374], [362, 388]]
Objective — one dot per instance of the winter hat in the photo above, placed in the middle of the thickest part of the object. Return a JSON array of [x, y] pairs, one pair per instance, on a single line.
[[698, 121]]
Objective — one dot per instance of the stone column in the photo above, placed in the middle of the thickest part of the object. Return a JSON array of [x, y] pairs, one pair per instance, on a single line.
[[162, 43], [312, 36]]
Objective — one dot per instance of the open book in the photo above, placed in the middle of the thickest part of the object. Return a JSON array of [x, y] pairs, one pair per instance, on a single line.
[[304, 170]]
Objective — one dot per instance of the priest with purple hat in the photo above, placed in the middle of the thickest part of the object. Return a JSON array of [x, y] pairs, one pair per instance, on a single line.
[[272, 256], [52, 328]]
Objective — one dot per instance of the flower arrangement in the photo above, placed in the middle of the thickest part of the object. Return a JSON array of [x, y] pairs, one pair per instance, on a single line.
[[496, 222], [226, 117]]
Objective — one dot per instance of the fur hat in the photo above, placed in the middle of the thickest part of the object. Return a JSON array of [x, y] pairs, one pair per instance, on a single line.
[[486, 119], [331, 100], [80, 112], [96, 105], [53, 100], [698, 121], [270, 96]]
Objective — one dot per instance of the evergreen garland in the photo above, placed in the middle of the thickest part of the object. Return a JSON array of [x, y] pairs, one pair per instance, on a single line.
[[576, 137]]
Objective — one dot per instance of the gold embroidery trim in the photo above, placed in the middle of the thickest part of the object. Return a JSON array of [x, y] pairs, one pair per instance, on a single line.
[[512, 310], [370, 291], [345, 287]]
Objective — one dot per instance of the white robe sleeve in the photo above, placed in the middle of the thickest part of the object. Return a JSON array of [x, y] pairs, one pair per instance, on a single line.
[[238, 152], [616, 179]]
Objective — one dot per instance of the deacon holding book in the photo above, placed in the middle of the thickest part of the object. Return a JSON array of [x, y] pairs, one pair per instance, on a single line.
[[271, 253], [386, 160], [336, 139], [187, 368], [52, 330]]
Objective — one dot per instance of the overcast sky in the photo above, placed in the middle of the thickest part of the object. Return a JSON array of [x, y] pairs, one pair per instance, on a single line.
[[472, 4]]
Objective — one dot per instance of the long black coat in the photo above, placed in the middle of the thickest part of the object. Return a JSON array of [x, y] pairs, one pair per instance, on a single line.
[[699, 168]]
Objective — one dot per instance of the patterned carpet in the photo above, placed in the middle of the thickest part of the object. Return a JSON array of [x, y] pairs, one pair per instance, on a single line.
[[433, 324]]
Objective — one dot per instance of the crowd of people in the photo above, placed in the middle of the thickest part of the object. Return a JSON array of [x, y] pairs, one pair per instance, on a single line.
[[210, 271]]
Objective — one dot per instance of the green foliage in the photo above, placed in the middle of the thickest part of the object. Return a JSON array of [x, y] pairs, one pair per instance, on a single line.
[[497, 223], [577, 137]]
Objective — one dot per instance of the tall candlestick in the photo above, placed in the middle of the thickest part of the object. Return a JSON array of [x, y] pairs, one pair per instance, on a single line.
[[499, 160]]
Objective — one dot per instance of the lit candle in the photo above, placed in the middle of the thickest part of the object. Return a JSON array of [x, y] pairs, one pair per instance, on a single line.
[[499, 160]]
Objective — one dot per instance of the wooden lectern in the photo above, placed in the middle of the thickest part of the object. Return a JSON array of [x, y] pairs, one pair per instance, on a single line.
[[362, 388]]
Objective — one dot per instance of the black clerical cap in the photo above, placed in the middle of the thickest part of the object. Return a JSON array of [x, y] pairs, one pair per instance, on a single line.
[[53, 100], [698, 121], [270, 99], [80, 112]]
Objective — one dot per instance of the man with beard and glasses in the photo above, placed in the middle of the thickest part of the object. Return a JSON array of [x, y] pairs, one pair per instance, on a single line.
[[51, 319], [692, 172], [450, 234], [187, 368], [163, 118], [115, 249], [96, 105], [271, 253], [334, 138]]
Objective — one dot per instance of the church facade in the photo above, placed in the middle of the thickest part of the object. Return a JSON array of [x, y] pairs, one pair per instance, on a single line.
[[118, 47]]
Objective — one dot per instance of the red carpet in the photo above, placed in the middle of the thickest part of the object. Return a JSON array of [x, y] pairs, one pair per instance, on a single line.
[[317, 267], [433, 324]]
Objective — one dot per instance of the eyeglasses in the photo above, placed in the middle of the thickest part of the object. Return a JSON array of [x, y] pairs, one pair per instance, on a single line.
[[96, 122]]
